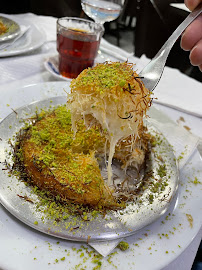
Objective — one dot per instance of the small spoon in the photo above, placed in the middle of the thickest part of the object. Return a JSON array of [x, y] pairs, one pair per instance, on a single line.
[[153, 71]]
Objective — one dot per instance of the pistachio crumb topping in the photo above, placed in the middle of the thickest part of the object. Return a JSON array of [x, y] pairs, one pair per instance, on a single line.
[[123, 245], [106, 77]]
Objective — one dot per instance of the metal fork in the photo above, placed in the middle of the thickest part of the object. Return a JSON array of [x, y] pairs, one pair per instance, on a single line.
[[153, 71]]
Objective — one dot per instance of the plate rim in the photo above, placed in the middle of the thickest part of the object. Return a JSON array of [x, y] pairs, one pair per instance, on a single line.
[[6, 36], [41, 41]]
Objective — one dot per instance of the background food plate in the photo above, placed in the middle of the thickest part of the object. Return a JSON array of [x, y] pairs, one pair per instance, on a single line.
[[31, 40], [13, 29], [166, 238]]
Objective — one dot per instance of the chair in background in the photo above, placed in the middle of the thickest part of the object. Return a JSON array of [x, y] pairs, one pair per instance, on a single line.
[[123, 22]]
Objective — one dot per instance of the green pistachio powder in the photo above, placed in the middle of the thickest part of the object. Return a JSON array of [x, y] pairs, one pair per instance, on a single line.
[[51, 207], [58, 136]]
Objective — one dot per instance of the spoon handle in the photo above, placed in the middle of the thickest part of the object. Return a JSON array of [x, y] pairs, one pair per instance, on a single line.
[[175, 35]]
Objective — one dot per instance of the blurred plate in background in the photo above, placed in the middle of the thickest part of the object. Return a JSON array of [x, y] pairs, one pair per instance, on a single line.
[[13, 29], [33, 39]]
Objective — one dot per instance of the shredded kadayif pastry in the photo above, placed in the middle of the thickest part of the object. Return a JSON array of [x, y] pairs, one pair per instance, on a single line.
[[60, 152], [114, 96], [64, 164]]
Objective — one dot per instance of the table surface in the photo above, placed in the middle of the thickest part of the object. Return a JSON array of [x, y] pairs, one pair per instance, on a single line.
[[27, 69]]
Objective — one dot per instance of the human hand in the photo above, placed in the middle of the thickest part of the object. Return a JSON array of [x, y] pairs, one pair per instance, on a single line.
[[191, 39]]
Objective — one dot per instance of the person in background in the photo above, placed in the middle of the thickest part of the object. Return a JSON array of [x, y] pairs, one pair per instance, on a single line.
[[191, 39]]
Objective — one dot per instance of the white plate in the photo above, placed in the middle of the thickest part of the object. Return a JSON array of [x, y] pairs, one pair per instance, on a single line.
[[13, 29], [153, 247], [51, 65], [31, 40], [115, 224]]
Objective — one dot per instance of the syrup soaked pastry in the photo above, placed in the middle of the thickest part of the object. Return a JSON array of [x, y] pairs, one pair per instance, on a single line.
[[103, 119], [113, 95]]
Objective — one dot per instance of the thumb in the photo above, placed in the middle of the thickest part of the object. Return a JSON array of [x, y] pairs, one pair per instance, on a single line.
[[192, 4]]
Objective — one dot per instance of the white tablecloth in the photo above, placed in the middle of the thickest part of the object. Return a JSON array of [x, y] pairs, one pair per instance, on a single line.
[[27, 69]]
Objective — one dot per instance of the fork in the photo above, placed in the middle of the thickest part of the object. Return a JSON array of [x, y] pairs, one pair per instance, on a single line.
[[151, 74]]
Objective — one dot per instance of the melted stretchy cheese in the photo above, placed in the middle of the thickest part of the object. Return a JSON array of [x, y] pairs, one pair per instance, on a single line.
[[114, 96]]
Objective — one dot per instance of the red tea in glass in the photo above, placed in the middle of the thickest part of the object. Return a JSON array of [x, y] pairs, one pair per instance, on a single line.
[[77, 43]]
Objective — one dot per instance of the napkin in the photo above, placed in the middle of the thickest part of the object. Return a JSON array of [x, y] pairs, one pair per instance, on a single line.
[[180, 6], [184, 144], [46, 23], [176, 90], [7, 44], [114, 51], [106, 247]]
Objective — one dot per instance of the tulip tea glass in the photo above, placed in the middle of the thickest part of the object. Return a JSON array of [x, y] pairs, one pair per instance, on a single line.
[[78, 42]]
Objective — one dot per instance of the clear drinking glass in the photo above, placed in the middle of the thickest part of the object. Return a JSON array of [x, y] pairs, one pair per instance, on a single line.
[[78, 41], [102, 11]]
